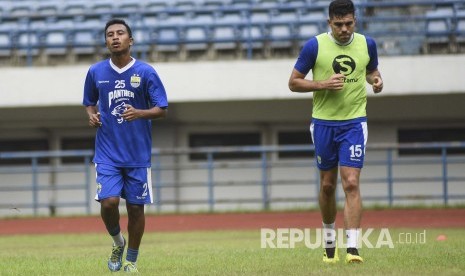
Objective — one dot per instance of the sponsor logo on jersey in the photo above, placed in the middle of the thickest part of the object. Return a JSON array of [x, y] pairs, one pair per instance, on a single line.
[[345, 65]]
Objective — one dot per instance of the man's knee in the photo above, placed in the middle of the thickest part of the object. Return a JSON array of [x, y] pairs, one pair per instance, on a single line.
[[110, 203]]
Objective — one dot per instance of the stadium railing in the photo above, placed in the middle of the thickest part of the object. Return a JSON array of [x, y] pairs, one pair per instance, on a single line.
[[434, 173]]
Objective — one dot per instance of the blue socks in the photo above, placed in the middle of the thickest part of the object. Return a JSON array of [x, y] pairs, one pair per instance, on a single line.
[[132, 255]]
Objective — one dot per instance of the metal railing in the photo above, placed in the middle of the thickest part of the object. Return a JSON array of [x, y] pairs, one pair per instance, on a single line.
[[385, 166]]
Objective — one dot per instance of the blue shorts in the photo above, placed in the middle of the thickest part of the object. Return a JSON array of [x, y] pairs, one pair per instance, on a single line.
[[342, 144], [132, 184]]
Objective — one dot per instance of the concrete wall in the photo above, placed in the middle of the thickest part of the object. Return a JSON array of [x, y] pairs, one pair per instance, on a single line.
[[230, 96]]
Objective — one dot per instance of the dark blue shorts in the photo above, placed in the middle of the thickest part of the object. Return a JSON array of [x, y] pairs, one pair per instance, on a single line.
[[132, 184], [339, 144]]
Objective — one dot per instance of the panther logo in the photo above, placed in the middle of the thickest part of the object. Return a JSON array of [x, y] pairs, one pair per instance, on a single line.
[[118, 112]]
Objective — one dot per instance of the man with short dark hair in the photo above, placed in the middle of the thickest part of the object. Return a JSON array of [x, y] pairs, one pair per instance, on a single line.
[[341, 61], [122, 95]]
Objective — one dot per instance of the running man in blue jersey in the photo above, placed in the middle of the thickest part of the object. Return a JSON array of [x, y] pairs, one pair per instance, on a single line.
[[122, 95], [341, 61]]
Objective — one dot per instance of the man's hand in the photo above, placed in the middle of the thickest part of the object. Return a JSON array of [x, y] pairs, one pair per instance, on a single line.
[[94, 120], [130, 114], [377, 84], [335, 82]]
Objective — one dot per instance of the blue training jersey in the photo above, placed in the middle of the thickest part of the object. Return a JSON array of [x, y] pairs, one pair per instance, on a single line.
[[118, 142]]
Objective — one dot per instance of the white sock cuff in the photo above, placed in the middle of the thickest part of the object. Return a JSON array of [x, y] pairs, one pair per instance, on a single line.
[[352, 237]]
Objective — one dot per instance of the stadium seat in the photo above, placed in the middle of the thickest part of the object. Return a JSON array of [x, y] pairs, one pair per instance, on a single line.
[[142, 41], [51, 8], [281, 36], [268, 3], [130, 7], [21, 9], [284, 16], [156, 6], [230, 17], [55, 42], [202, 18], [6, 44], [166, 40], [438, 30], [460, 30], [253, 37], [75, 8], [185, 5], [224, 37], [66, 23], [173, 19], [150, 20], [305, 31], [84, 41], [28, 43], [102, 7], [259, 16], [213, 4], [294, 2], [195, 39], [241, 3]]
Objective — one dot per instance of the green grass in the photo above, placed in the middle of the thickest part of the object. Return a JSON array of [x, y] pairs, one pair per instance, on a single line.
[[228, 253]]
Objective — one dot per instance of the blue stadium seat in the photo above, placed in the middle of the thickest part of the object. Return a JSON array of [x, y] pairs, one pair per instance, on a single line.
[[202, 18], [127, 6], [150, 20], [102, 7], [284, 16], [241, 3], [156, 6], [142, 41], [55, 42], [231, 17], [6, 44], [261, 16], [49, 8], [253, 37], [268, 3], [85, 41], [460, 29], [294, 2], [196, 38], [213, 4], [305, 31], [173, 19], [21, 9], [281, 35], [28, 43], [185, 5], [167, 38], [75, 8], [224, 37]]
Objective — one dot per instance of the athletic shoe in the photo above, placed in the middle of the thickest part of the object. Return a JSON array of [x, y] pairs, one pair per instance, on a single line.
[[335, 257], [116, 257], [130, 267], [353, 257]]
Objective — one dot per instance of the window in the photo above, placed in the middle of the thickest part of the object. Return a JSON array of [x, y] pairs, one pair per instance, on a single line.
[[286, 138], [430, 135], [76, 144], [23, 145], [225, 139]]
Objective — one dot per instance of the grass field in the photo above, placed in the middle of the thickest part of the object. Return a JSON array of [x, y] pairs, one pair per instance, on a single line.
[[229, 253]]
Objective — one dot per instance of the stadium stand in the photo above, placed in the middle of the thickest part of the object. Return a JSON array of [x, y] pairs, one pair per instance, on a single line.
[[54, 31]]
